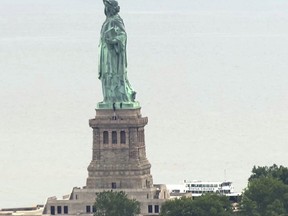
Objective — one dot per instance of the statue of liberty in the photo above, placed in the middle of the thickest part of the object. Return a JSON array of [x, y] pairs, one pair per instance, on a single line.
[[112, 69]]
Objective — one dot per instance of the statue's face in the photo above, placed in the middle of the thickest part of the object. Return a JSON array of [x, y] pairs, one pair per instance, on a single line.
[[111, 9], [108, 11]]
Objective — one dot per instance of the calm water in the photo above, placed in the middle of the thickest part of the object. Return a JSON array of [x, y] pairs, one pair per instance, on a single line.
[[212, 79]]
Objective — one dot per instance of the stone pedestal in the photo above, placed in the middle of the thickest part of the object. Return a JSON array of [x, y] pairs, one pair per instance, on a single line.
[[118, 162], [119, 155]]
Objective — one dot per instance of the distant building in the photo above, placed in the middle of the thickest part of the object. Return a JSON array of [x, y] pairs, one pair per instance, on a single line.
[[36, 210]]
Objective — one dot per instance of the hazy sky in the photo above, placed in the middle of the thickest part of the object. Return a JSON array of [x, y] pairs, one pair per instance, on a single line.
[[211, 76]]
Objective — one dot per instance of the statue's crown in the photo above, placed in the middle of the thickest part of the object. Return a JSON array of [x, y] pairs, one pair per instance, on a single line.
[[111, 2]]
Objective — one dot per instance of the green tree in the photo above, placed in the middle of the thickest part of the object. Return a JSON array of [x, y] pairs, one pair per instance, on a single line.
[[110, 203], [267, 192], [213, 205], [208, 204], [274, 171]]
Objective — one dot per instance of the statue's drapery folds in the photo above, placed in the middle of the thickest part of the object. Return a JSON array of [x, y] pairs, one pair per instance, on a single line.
[[113, 58]]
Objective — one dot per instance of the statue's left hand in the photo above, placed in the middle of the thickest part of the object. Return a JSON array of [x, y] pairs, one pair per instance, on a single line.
[[111, 41]]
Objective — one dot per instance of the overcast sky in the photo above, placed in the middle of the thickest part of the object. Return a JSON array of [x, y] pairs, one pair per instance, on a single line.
[[210, 75]]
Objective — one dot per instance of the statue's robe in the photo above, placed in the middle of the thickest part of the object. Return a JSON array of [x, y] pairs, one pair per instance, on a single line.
[[113, 62]]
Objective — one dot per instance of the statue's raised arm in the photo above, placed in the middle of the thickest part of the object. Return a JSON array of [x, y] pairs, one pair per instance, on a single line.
[[113, 60]]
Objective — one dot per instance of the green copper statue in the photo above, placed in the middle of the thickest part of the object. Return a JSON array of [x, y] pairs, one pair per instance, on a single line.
[[116, 88]]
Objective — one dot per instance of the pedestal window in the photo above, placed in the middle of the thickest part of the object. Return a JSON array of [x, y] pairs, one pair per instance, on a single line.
[[88, 209], [52, 210], [65, 209], [156, 208], [114, 186], [150, 209], [114, 137], [122, 137], [105, 137], [59, 210]]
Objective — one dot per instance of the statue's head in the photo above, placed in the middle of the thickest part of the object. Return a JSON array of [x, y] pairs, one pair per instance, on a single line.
[[111, 7]]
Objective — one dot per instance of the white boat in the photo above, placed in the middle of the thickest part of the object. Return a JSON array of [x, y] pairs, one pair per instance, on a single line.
[[197, 188]]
